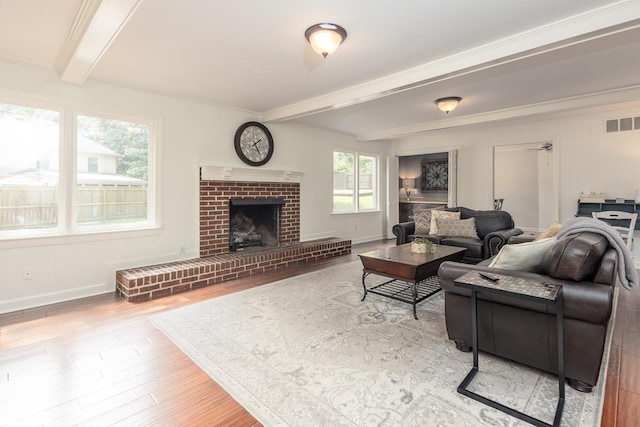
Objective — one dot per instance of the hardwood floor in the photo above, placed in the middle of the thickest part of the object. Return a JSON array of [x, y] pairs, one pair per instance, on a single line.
[[98, 361]]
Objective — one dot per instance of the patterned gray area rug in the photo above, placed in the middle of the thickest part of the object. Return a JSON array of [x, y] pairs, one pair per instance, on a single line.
[[306, 351]]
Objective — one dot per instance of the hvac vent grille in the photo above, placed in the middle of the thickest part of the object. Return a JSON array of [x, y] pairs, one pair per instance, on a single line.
[[622, 125]]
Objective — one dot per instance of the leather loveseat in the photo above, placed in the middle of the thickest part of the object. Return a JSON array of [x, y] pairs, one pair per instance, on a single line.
[[494, 228], [525, 332]]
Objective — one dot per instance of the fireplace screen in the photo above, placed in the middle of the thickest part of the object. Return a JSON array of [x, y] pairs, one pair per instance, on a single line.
[[254, 222]]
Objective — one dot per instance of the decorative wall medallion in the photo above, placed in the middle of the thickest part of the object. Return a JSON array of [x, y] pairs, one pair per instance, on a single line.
[[435, 175]]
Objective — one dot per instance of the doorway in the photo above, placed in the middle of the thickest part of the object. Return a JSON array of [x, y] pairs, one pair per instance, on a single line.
[[524, 183]]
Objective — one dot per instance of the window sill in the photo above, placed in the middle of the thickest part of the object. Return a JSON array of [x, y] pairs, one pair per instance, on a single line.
[[376, 211], [79, 237]]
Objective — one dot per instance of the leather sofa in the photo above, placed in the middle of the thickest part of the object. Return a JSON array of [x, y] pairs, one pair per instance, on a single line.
[[525, 332], [494, 230]]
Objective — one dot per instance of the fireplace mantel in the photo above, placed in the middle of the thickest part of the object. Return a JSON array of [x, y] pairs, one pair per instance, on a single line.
[[226, 173]]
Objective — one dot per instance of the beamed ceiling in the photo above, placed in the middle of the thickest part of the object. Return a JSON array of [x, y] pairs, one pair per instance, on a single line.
[[506, 59]]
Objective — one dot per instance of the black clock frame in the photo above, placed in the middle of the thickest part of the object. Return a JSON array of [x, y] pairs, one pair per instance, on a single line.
[[441, 166], [238, 146]]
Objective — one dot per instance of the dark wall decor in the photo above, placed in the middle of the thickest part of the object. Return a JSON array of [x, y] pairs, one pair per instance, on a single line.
[[435, 175]]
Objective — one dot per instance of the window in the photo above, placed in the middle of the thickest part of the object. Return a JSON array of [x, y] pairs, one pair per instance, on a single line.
[[118, 193], [347, 184], [29, 159], [111, 168], [92, 164]]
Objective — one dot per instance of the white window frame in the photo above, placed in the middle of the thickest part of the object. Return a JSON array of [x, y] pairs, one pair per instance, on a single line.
[[67, 226], [356, 182]]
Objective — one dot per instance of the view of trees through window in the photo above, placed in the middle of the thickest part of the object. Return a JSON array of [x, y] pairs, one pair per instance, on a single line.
[[112, 170]]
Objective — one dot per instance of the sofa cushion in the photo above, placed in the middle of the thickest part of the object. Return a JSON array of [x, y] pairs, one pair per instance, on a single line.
[[457, 227], [575, 257], [487, 221], [441, 214], [550, 231], [524, 256], [473, 246], [422, 218]]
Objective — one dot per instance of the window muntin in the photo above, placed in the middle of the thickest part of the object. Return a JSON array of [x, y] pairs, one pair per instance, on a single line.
[[347, 184], [29, 168]]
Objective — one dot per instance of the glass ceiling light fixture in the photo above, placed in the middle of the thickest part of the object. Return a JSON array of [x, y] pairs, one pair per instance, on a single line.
[[448, 104], [325, 38]]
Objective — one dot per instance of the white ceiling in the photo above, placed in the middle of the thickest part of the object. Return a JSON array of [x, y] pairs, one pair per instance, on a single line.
[[504, 58]]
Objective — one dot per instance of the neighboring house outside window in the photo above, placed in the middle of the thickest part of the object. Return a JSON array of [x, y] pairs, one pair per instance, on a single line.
[[354, 192]]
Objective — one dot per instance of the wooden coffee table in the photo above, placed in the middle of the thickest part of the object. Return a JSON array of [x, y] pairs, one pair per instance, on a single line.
[[414, 276]]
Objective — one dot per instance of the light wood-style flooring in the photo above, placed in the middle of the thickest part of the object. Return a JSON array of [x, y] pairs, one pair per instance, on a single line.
[[98, 361]]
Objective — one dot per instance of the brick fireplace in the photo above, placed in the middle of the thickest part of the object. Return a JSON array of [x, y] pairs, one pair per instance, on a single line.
[[215, 197], [218, 187]]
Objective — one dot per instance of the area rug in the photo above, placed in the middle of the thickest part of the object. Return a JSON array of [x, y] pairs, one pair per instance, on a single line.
[[306, 351]]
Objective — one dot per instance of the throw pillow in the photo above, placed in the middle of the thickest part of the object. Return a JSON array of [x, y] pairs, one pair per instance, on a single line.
[[550, 231], [423, 221], [457, 227], [433, 229], [523, 256]]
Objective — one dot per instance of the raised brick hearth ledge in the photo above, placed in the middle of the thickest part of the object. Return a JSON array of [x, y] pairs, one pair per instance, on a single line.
[[157, 281]]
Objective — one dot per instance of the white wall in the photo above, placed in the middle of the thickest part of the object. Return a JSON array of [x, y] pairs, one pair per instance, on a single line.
[[192, 134], [516, 181], [586, 158]]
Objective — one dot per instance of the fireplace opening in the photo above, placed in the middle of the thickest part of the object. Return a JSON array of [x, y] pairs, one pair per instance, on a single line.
[[254, 222]]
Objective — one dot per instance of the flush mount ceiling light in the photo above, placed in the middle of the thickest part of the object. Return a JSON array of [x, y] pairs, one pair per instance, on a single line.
[[448, 104], [325, 38]]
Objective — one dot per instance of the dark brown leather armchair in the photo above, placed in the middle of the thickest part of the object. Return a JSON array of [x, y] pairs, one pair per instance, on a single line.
[[525, 332], [494, 230]]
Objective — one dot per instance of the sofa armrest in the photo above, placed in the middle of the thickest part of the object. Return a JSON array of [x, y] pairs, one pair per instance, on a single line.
[[608, 270], [495, 240], [402, 232], [525, 237]]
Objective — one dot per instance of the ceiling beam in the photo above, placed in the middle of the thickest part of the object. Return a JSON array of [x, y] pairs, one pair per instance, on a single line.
[[96, 26], [577, 102], [596, 23]]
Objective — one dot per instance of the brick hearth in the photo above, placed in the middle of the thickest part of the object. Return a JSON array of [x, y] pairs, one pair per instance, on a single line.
[[216, 263], [157, 281]]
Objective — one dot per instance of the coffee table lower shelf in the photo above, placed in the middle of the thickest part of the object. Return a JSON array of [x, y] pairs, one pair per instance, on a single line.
[[400, 290]]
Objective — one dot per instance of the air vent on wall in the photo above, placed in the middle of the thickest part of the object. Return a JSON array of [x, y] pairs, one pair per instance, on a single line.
[[623, 124], [612, 125], [626, 124]]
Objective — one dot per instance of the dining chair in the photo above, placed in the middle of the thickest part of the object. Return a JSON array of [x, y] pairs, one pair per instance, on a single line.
[[614, 218]]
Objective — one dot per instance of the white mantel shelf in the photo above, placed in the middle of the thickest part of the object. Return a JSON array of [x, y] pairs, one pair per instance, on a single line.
[[226, 173]]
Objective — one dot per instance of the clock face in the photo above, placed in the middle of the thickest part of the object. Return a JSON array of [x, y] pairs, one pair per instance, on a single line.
[[435, 175], [254, 143]]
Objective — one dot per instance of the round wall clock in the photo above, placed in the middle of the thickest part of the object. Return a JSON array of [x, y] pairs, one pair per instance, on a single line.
[[254, 143]]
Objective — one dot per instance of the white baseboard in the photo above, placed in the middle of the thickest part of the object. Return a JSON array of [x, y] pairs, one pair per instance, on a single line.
[[316, 236], [54, 297], [369, 239]]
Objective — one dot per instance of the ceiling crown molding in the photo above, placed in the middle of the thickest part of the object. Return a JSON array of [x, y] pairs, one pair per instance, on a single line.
[[96, 26], [596, 23]]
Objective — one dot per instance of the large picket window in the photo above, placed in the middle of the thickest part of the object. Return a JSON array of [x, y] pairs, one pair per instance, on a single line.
[[58, 176]]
